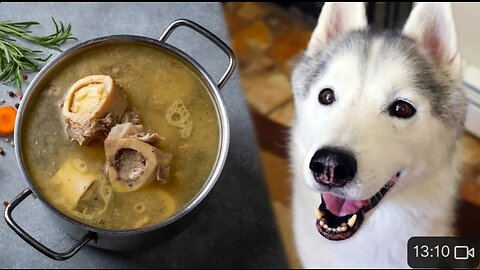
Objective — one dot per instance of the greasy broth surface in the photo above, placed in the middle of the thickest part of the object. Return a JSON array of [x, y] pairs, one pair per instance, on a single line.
[[153, 80]]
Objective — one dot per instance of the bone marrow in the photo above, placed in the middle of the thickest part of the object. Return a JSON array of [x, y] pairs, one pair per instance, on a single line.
[[133, 161], [93, 105]]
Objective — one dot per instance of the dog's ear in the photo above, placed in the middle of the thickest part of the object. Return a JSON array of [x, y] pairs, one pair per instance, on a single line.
[[335, 20], [431, 25]]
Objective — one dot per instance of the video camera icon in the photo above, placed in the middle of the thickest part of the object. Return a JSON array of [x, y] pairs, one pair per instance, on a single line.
[[464, 252]]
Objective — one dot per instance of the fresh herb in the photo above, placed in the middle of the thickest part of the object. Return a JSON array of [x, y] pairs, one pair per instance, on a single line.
[[16, 59]]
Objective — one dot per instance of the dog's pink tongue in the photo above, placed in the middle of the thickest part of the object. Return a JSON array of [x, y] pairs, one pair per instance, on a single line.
[[341, 206]]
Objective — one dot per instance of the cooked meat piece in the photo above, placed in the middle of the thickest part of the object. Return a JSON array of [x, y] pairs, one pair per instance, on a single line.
[[129, 130], [150, 138], [131, 116], [93, 131], [162, 174]]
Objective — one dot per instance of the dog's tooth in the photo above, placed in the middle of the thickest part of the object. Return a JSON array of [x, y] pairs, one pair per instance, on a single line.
[[325, 226], [322, 222], [351, 221], [343, 228], [319, 213], [339, 228]]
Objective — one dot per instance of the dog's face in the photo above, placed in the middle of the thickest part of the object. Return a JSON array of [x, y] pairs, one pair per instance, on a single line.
[[374, 109]]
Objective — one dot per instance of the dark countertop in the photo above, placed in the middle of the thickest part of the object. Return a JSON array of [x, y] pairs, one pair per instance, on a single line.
[[236, 229]]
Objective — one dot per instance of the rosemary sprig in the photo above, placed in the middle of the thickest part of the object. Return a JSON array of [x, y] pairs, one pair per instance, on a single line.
[[16, 59]]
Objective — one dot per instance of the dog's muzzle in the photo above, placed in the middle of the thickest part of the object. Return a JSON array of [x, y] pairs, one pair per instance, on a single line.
[[338, 218]]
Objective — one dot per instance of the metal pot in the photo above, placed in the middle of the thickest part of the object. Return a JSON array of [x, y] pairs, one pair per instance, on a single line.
[[126, 239]]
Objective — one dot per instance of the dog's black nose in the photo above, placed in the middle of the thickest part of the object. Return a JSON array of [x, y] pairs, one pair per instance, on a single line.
[[333, 166]]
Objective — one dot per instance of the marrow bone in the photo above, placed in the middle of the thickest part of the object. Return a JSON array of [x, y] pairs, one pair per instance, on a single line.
[[93, 105], [132, 159]]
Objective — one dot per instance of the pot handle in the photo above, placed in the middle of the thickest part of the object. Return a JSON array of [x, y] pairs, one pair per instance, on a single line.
[[34, 243], [201, 30]]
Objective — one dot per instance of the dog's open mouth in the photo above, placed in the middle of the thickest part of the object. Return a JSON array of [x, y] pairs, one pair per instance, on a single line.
[[339, 218]]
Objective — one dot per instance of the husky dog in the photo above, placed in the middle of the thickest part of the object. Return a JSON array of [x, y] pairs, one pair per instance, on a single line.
[[374, 145]]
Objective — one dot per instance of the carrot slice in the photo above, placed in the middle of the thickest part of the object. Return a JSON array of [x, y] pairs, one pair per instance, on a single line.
[[7, 120]]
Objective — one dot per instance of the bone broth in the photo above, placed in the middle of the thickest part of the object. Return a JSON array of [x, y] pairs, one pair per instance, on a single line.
[[121, 155]]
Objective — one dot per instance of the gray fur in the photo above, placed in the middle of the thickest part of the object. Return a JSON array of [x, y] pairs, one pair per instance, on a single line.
[[438, 86]]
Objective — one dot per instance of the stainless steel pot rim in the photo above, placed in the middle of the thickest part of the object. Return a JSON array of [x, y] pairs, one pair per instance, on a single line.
[[194, 65]]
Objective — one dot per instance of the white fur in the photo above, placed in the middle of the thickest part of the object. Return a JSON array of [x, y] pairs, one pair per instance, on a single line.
[[432, 25], [420, 147], [335, 19]]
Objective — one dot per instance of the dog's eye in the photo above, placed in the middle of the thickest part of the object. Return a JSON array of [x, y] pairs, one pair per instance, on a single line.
[[401, 109], [326, 96]]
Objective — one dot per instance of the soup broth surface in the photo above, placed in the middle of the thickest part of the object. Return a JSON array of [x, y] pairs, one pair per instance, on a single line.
[[153, 80]]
